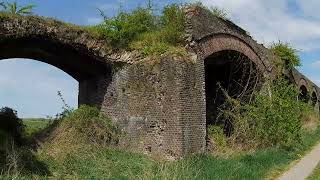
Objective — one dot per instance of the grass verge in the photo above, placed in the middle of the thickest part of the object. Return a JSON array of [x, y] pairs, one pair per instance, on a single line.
[[94, 162], [316, 173]]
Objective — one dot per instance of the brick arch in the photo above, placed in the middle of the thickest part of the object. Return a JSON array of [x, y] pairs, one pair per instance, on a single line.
[[314, 96], [221, 42], [73, 50], [304, 89], [304, 82]]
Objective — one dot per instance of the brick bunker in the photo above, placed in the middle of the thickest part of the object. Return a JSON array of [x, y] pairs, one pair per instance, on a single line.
[[164, 104]]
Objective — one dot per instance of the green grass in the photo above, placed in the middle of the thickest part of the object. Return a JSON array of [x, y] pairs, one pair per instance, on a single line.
[[35, 125], [316, 174], [117, 164], [70, 153]]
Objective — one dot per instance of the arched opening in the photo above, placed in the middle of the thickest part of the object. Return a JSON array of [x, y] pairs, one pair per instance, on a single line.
[[304, 95], [74, 59], [31, 88], [228, 74], [314, 98]]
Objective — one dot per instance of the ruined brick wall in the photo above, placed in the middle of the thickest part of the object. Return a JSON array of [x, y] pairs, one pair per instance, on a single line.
[[193, 103], [301, 80], [207, 34], [160, 104], [155, 103]]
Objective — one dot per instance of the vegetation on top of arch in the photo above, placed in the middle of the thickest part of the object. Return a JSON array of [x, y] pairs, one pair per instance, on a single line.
[[144, 29], [150, 31], [287, 54]]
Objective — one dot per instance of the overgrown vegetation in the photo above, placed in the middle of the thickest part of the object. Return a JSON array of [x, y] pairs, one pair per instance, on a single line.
[[287, 54], [80, 143], [93, 127], [15, 159], [79, 131], [57, 161], [142, 29], [11, 124], [273, 118]]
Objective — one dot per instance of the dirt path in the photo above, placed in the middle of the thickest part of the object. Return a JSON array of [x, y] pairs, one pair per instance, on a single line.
[[304, 167]]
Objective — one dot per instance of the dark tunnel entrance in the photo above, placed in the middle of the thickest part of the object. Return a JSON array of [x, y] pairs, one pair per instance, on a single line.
[[303, 96], [314, 99], [228, 73]]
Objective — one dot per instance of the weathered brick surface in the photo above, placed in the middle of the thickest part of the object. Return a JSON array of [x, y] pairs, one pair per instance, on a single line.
[[160, 104], [148, 101]]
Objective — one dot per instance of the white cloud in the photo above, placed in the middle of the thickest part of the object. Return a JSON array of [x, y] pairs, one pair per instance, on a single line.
[[269, 21]]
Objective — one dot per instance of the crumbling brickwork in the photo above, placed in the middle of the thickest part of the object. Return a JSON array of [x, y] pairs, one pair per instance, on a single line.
[[159, 103]]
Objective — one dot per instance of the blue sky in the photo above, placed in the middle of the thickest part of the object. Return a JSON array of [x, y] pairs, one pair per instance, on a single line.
[[31, 86]]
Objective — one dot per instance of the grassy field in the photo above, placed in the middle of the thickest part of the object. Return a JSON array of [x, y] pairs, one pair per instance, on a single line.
[[35, 125], [96, 162]]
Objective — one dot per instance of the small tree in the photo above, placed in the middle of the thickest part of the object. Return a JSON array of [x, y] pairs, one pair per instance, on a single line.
[[14, 8], [287, 54], [10, 123]]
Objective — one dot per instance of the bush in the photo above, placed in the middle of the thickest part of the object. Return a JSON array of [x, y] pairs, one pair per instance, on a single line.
[[217, 136], [273, 118], [287, 54], [11, 124], [125, 27], [172, 24], [94, 127], [143, 30]]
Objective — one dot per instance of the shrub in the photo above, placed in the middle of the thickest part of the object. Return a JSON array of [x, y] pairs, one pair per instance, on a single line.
[[173, 24], [287, 54], [273, 118], [125, 27], [11, 124], [216, 134], [142, 30], [94, 127]]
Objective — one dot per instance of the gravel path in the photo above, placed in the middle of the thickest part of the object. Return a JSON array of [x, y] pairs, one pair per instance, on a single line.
[[304, 167]]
